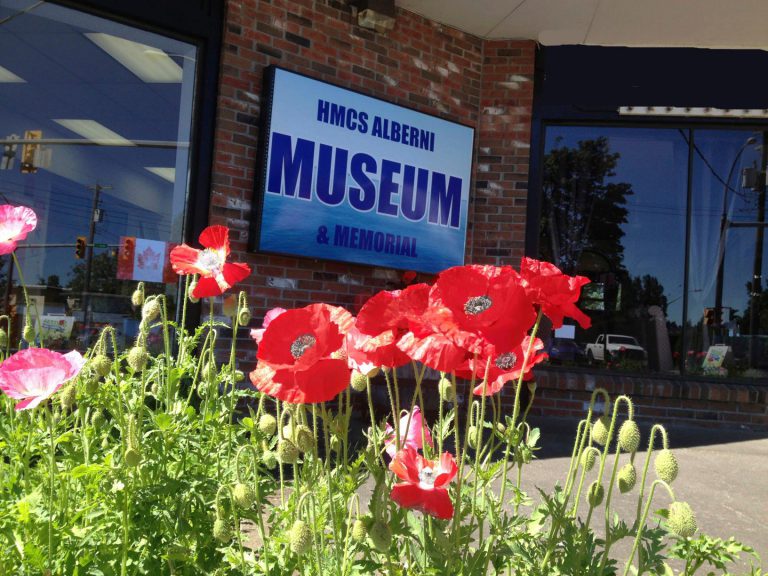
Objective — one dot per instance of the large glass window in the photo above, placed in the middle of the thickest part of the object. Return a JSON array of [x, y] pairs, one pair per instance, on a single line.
[[95, 120], [615, 208]]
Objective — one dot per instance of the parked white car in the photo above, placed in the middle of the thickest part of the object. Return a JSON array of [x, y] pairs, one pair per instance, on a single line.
[[619, 346]]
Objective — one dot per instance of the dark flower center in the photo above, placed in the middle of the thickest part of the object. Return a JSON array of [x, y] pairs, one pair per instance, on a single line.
[[301, 345], [477, 304], [506, 361]]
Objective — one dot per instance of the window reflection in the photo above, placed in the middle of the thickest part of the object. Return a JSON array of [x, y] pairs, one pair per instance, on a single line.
[[111, 106]]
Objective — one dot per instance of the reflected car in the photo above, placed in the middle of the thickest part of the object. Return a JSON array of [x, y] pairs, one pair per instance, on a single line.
[[565, 350]]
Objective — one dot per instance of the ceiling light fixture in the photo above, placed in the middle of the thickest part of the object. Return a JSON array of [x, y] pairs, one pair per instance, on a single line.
[[147, 62], [6, 76], [168, 174], [693, 111], [95, 132]]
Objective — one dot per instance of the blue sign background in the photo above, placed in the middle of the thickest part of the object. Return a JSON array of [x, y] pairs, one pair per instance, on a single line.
[[295, 220]]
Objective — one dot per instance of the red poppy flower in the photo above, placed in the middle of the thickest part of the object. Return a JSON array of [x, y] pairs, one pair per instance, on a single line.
[[258, 333], [468, 306], [506, 364], [425, 481], [553, 291], [295, 355], [216, 274], [15, 223]]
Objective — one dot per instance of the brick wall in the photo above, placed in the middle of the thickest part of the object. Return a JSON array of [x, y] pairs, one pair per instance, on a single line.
[[420, 64]]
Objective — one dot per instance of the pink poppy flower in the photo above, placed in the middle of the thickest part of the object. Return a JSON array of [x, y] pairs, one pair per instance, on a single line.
[[34, 374], [15, 223], [410, 435]]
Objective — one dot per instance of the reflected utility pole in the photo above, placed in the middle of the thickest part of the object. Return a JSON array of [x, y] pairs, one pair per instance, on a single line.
[[95, 218], [756, 286]]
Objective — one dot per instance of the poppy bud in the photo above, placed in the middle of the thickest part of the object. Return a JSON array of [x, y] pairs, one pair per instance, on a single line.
[[132, 457], [446, 389], [101, 365], [600, 430], [666, 466], [300, 538], [595, 494], [627, 478], [531, 386], [191, 293], [67, 397], [629, 436], [501, 428], [210, 372], [305, 440], [358, 381], [222, 531], [29, 332], [91, 384], [269, 459], [151, 310], [380, 536], [588, 458], [267, 424], [97, 418], [682, 520], [243, 495], [359, 530], [239, 375], [3, 338], [372, 373], [243, 316], [137, 358], [288, 431], [137, 298], [287, 452]]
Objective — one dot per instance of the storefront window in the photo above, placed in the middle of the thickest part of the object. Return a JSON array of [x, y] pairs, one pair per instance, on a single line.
[[615, 208], [111, 107]]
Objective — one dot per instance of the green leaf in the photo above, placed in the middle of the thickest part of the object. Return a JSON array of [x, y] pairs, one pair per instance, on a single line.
[[87, 470], [163, 421]]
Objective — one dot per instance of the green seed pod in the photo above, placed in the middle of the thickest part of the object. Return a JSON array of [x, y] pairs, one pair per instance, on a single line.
[[300, 538], [359, 530], [137, 298], [595, 494], [269, 459], [380, 536], [474, 436], [243, 316], [137, 358], [97, 418], [358, 381], [267, 424], [446, 389], [243, 495], [29, 332], [287, 452], [629, 436], [666, 466], [588, 458], [67, 397], [151, 310], [191, 293], [222, 531], [305, 440], [627, 478], [3, 338], [132, 457], [600, 430], [682, 520]]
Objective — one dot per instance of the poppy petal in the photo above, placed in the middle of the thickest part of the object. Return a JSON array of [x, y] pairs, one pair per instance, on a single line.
[[215, 237], [184, 260], [235, 272], [206, 287], [435, 502], [322, 383]]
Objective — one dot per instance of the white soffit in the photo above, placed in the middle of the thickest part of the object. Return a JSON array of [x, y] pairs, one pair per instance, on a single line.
[[659, 23]]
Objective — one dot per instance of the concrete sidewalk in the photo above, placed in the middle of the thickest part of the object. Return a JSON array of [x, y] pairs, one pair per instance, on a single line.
[[723, 476]]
